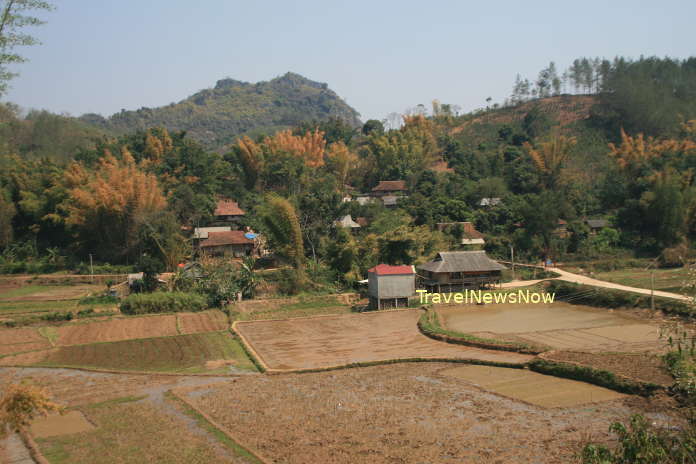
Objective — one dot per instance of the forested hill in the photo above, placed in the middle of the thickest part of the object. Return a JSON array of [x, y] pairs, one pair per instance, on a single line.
[[216, 117]]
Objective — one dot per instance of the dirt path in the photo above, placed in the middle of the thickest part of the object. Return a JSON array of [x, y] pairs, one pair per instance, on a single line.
[[14, 451], [584, 280]]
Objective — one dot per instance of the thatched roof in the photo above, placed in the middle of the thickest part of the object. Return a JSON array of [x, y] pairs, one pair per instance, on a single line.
[[462, 261]]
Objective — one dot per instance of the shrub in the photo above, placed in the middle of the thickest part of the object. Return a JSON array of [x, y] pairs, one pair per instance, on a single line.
[[98, 299], [57, 316], [162, 302], [642, 443]]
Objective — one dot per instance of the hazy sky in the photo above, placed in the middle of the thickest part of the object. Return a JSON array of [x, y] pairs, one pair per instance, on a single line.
[[380, 56]]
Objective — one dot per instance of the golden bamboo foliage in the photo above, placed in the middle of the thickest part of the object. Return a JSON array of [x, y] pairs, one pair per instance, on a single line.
[[20, 404], [689, 128], [250, 154], [549, 156], [341, 160], [116, 187], [157, 144], [309, 147], [636, 151]]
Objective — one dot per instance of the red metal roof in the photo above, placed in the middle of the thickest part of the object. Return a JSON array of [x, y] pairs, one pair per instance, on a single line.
[[228, 208], [232, 237], [386, 269]]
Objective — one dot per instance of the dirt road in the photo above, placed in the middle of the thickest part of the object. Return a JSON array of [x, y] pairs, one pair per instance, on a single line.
[[584, 280]]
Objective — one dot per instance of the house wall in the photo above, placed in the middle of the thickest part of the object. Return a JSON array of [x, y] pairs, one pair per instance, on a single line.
[[236, 251], [391, 286]]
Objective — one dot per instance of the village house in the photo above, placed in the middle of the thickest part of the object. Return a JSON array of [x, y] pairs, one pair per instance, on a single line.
[[596, 225], [228, 211], [455, 271], [470, 236], [490, 202], [561, 229], [347, 222], [391, 188], [201, 233], [390, 286], [232, 244]]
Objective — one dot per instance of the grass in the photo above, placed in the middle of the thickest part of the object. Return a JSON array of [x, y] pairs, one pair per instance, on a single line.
[[130, 431], [21, 307], [222, 437], [25, 290], [670, 280], [50, 333], [177, 354]]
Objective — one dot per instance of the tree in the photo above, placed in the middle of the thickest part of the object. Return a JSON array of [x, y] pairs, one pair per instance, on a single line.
[[107, 207], [549, 157], [12, 21], [20, 404], [373, 126], [7, 213], [283, 230]]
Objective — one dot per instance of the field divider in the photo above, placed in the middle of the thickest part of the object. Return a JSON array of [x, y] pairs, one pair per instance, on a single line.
[[249, 349], [603, 378], [434, 330], [221, 428], [32, 446]]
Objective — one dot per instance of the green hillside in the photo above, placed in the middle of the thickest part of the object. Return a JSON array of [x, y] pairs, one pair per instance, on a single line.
[[215, 117]]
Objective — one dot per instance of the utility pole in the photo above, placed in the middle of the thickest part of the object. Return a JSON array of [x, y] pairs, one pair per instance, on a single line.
[[91, 269], [652, 289], [512, 260]]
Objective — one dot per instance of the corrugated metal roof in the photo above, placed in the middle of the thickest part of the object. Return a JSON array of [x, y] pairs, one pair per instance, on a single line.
[[462, 261], [202, 232], [386, 269], [597, 223], [233, 237]]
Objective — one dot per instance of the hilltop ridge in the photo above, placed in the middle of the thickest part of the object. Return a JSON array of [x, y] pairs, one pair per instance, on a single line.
[[216, 116]]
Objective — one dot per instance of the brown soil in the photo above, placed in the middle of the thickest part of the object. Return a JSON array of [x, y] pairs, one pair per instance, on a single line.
[[532, 387], [60, 424], [637, 366], [58, 293], [403, 413], [116, 329], [556, 325], [325, 341], [208, 321], [20, 340]]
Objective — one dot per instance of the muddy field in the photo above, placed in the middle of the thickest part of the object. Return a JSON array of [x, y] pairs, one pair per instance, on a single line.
[[339, 340], [557, 325], [404, 413]]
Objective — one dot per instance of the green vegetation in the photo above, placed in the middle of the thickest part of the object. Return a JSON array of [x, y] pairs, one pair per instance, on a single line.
[[606, 298], [643, 443], [133, 200], [599, 377], [180, 354], [162, 302], [670, 280], [215, 117]]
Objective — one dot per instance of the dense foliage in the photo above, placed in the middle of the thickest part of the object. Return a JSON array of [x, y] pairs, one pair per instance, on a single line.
[[215, 117], [552, 162]]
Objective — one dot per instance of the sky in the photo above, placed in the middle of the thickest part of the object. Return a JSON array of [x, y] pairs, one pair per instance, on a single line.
[[380, 56]]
